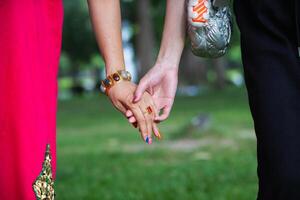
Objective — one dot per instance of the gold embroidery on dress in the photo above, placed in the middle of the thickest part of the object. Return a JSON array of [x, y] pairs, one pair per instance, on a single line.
[[44, 184]]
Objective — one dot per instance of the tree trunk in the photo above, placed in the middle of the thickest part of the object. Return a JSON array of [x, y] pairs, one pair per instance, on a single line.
[[145, 38], [192, 68], [219, 65]]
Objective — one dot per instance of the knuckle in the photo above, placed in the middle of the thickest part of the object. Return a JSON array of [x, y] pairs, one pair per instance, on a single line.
[[149, 118], [142, 120], [130, 104]]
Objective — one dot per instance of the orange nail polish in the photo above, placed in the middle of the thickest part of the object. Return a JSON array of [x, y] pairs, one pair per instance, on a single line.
[[159, 136]]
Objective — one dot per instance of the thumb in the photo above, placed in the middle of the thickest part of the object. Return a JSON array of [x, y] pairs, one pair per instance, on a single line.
[[141, 88]]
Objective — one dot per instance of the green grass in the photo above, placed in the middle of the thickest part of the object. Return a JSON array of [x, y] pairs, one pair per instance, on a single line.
[[100, 156]]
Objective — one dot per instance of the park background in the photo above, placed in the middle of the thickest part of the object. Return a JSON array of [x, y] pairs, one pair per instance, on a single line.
[[208, 151]]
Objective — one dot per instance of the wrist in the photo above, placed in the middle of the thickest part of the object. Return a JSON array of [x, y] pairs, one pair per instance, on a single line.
[[168, 63], [169, 59], [112, 66], [111, 70], [113, 79]]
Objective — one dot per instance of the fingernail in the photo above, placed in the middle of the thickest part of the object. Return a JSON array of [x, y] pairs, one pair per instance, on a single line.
[[134, 99], [147, 140], [135, 124], [159, 135], [150, 140]]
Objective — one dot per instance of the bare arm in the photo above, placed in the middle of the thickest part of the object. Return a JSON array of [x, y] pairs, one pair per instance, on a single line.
[[174, 33], [162, 79], [106, 21]]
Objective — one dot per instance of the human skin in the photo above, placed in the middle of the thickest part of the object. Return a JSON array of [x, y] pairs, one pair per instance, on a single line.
[[161, 80], [106, 22]]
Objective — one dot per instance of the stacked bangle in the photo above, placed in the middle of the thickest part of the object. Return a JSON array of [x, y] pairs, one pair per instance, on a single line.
[[114, 78]]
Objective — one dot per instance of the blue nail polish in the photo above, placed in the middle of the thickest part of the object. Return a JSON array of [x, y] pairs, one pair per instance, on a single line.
[[147, 140]]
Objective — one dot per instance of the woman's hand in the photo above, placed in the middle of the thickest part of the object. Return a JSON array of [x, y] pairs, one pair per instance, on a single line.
[[121, 95], [109, 40], [161, 80], [161, 83]]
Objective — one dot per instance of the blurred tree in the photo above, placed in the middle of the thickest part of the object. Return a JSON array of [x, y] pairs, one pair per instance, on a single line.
[[146, 18], [145, 39], [193, 69], [78, 39], [219, 65]]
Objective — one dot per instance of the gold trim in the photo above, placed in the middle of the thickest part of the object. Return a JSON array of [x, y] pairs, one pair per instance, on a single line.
[[43, 186]]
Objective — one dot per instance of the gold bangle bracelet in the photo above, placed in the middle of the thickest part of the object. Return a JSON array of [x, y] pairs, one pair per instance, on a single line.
[[114, 78]]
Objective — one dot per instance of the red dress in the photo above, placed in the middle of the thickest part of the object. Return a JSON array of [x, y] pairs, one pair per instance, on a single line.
[[30, 43]]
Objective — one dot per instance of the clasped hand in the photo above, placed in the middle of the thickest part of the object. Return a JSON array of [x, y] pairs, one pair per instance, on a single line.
[[156, 89], [122, 94]]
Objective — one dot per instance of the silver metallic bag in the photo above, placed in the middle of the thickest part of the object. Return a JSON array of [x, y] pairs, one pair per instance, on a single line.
[[209, 27]]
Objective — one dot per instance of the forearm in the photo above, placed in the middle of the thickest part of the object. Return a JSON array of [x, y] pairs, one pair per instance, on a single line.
[[106, 22], [174, 33]]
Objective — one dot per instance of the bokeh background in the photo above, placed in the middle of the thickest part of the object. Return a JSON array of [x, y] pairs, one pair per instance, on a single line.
[[209, 148]]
